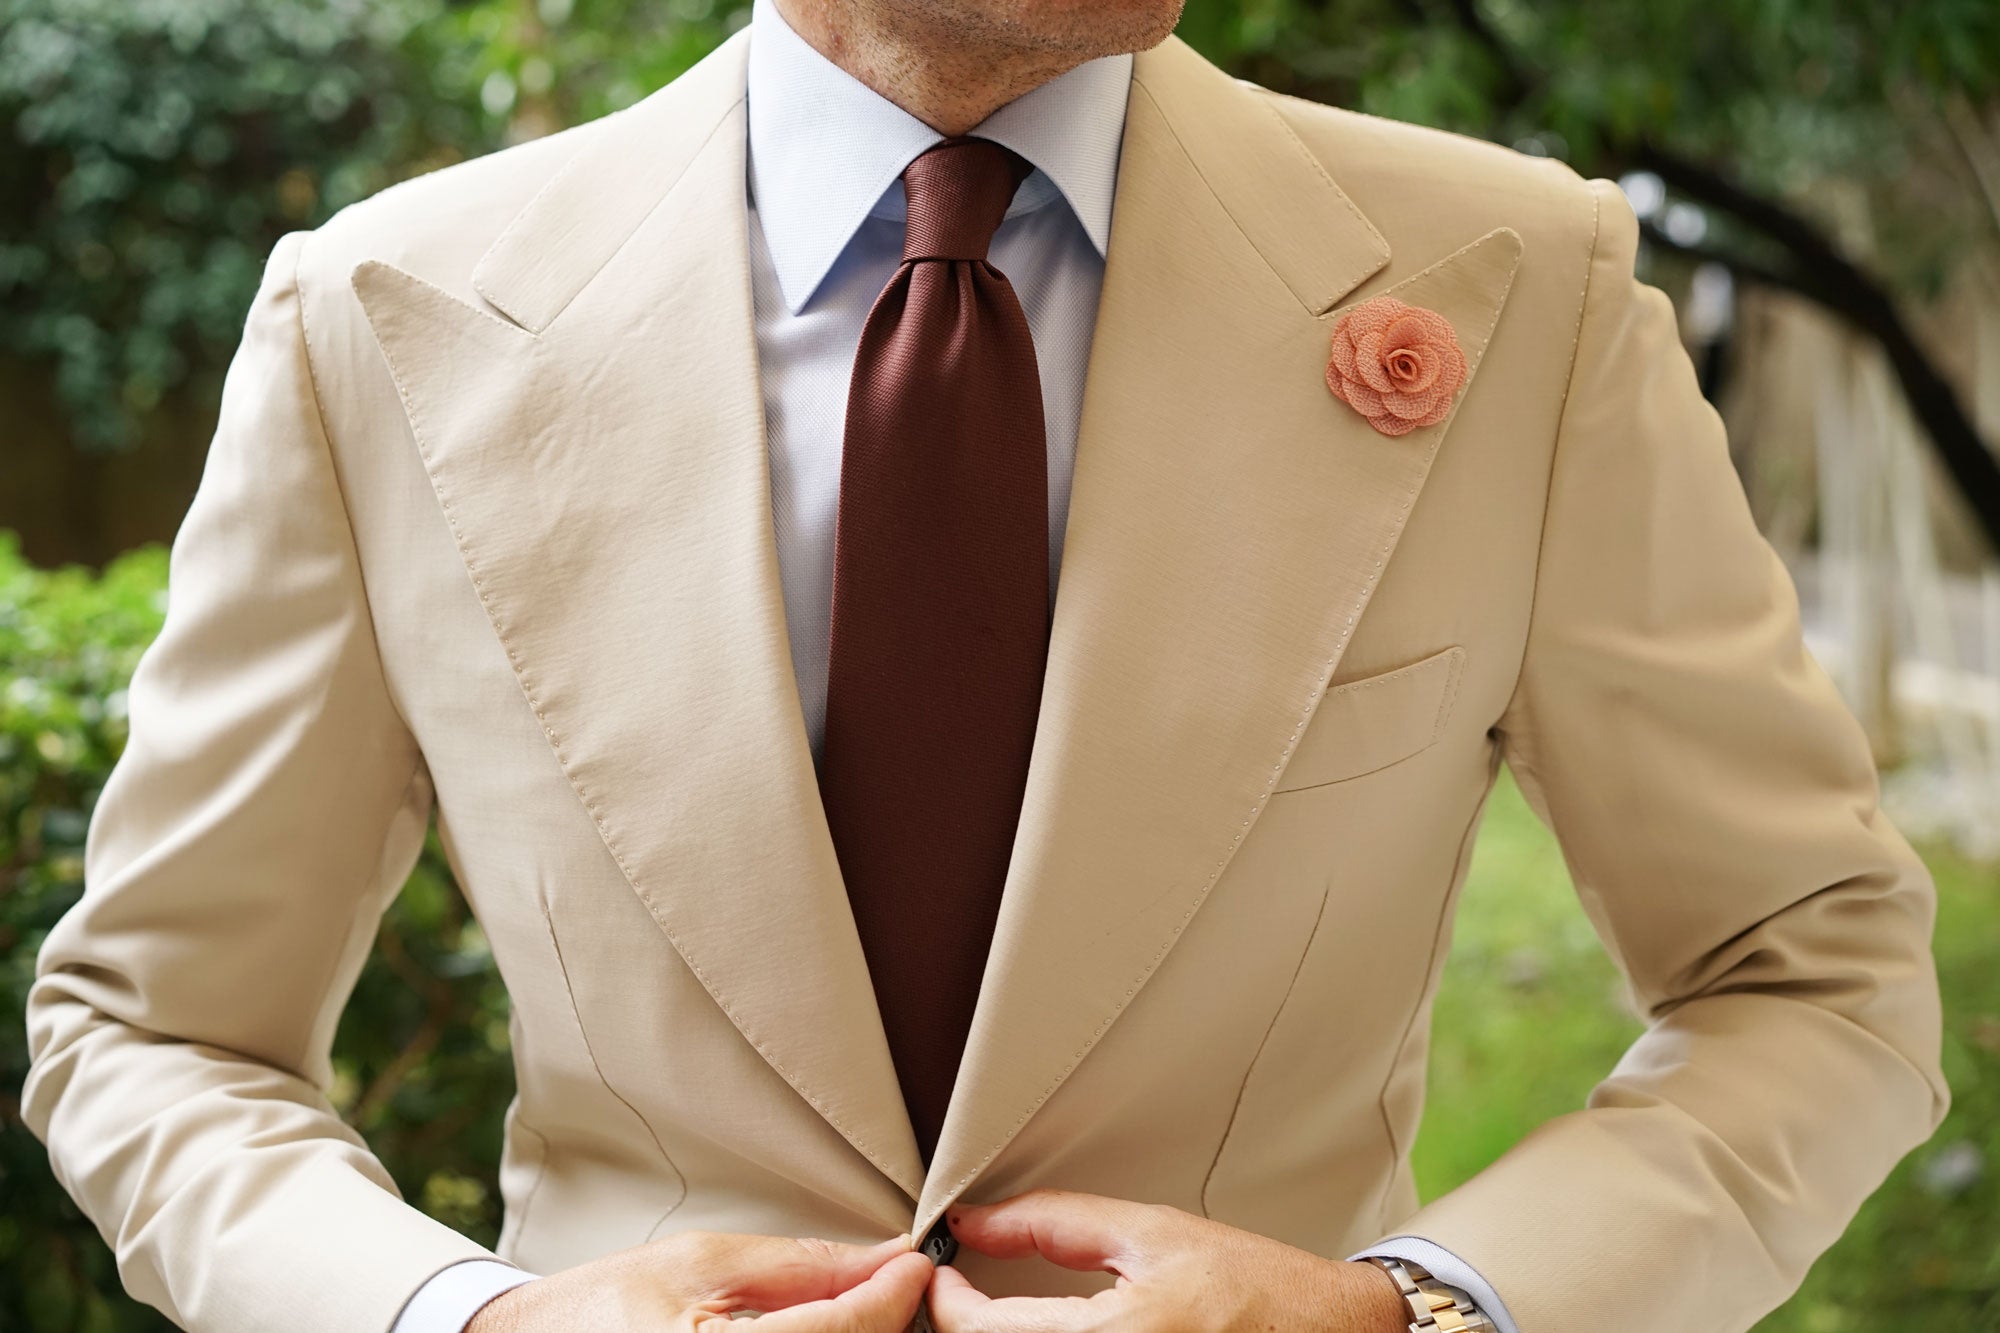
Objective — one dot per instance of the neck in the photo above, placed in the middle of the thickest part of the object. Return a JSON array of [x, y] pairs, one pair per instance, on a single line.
[[951, 78]]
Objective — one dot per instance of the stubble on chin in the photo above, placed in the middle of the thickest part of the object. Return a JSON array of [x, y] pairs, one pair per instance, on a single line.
[[1040, 34]]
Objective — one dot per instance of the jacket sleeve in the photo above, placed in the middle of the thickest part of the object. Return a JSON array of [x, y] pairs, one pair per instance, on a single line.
[[267, 808], [1716, 804]]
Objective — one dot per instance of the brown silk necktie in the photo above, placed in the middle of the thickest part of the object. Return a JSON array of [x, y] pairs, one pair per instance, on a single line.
[[940, 614]]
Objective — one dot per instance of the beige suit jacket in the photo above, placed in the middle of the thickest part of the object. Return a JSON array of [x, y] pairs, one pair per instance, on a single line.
[[485, 533]]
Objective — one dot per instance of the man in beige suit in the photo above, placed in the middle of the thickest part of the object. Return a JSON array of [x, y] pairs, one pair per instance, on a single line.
[[1385, 471]]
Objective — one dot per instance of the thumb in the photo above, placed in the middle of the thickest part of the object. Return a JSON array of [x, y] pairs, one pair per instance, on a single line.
[[1086, 1232], [772, 1272], [885, 1302]]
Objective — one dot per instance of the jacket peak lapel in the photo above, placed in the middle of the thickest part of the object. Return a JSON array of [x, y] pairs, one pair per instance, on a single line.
[[601, 459]]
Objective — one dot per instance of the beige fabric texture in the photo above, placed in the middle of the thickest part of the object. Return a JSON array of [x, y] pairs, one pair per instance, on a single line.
[[485, 533]]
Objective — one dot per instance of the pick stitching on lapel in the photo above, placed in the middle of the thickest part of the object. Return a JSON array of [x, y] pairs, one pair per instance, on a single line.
[[602, 463]]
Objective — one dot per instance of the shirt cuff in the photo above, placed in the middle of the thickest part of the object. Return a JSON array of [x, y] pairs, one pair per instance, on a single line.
[[455, 1293], [1447, 1268]]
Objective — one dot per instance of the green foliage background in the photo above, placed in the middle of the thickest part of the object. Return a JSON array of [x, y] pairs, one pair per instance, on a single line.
[[152, 150]]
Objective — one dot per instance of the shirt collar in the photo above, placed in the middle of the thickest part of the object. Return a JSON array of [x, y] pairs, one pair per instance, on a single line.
[[826, 150]]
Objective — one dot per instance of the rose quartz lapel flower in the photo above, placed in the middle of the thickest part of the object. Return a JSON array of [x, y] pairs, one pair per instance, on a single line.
[[1397, 365]]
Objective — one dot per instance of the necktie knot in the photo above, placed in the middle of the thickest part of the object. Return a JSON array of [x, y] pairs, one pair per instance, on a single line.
[[958, 190]]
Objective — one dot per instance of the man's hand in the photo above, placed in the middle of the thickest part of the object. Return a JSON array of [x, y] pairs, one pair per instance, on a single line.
[[1175, 1272], [694, 1279]]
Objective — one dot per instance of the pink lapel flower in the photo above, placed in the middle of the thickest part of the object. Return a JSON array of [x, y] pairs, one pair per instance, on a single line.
[[1397, 365]]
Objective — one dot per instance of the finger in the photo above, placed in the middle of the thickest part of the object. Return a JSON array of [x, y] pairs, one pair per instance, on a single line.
[[773, 1272], [1081, 1231], [959, 1307], [884, 1302]]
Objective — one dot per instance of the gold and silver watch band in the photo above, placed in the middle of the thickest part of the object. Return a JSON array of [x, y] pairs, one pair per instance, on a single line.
[[1434, 1306]]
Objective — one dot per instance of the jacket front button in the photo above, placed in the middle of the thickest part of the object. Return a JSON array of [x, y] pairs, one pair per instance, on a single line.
[[938, 1243]]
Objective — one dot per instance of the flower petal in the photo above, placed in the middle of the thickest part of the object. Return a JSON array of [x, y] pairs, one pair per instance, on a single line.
[[1343, 351], [1425, 366], [1365, 400], [1411, 407], [1368, 360], [1406, 330]]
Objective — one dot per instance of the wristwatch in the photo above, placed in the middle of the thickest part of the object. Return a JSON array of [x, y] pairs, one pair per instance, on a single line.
[[1434, 1306]]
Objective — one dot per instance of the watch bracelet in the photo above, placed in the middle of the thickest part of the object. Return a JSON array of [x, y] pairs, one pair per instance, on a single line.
[[1434, 1306]]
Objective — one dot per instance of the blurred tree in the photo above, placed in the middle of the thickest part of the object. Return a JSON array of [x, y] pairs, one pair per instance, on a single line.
[[1748, 109], [157, 148], [542, 64]]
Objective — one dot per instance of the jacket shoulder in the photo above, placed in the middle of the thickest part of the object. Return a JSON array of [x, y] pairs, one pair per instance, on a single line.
[[1430, 191], [437, 225]]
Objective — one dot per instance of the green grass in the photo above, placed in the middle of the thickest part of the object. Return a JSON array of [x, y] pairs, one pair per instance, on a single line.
[[1530, 1015]]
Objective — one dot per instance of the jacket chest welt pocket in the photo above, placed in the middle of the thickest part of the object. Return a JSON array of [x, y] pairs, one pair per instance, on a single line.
[[1370, 723]]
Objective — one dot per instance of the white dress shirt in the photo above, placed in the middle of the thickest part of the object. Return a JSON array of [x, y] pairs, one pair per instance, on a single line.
[[826, 155]]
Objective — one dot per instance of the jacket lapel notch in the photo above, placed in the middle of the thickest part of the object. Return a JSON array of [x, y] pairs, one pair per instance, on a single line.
[[1310, 233], [623, 167]]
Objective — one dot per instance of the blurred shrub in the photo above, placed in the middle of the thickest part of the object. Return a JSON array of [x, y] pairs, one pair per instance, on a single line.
[[421, 1063], [159, 146]]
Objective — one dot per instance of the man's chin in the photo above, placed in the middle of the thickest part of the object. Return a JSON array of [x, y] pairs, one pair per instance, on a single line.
[[1081, 29]]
